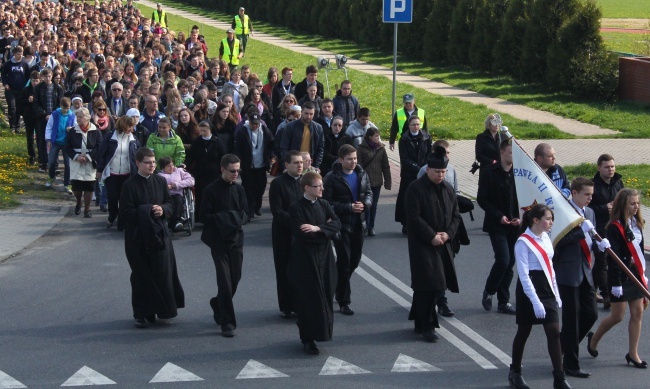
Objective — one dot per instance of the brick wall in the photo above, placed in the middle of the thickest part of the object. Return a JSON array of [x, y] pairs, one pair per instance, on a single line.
[[634, 79]]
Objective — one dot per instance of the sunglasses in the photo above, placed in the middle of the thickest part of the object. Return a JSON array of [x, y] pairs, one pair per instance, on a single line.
[[234, 171], [101, 109]]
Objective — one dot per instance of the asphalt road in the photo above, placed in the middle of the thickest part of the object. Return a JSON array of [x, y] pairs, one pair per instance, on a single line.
[[66, 321]]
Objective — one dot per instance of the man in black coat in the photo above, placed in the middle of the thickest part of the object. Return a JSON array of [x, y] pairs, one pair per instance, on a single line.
[[145, 204], [607, 183], [47, 98], [284, 191], [224, 211], [433, 218], [305, 135], [254, 145], [497, 195], [572, 262], [311, 79], [311, 269], [347, 188]]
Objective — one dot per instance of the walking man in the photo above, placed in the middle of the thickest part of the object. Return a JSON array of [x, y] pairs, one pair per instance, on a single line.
[[401, 116], [230, 50], [243, 27], [145, 206], [545, 158], [347, 189], [224, 212], [15, 74], [497, 195]]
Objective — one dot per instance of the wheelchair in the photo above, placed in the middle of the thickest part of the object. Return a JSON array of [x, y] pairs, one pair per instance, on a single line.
[[188, 200]]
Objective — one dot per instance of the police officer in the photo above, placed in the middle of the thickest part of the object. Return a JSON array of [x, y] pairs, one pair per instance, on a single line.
[[402, 115]]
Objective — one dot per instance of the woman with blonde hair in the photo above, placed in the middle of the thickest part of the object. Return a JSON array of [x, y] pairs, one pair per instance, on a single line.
[[625, 234]]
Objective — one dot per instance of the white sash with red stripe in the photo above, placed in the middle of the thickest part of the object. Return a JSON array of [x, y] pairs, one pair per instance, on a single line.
[[545, 261]]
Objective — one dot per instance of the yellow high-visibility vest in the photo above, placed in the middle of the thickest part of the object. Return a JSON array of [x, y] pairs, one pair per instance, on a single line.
[[160, 18], [231, 58], [401, 119], [239, 27]]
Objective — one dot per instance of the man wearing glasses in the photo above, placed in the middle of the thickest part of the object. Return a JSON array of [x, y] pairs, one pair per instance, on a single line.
[[224, 212], [115, 103]]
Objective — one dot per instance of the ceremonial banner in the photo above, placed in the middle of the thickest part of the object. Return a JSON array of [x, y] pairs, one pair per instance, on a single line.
[[534, 187]]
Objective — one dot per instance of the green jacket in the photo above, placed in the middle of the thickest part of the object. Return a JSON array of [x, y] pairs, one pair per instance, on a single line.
[[172, 147]]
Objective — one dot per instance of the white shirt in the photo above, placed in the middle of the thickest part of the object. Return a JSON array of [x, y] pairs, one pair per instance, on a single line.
[[527, 261]]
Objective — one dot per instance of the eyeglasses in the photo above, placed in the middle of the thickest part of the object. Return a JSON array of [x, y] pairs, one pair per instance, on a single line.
[[317, 186], [101, 109], [149, 162], [288, 74], [116, 90], [234, 171], [290, 101]]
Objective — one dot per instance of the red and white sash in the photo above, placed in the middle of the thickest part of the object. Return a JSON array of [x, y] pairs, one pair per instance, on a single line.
[[545, 261], [636, 252]]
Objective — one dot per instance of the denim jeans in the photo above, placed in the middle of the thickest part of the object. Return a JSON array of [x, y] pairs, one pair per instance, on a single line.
[[52, 162], [501, 273]]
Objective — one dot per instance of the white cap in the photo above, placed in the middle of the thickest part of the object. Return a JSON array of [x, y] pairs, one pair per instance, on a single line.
[[296, 108], [133, 112]]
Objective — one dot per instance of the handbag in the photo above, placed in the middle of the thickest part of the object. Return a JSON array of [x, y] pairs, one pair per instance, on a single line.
[[275, 169]]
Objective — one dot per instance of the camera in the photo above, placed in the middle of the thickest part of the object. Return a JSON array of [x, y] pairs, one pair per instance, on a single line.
[[475, 167]]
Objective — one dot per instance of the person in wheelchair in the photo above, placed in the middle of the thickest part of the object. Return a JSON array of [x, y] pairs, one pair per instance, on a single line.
[[177, 180]]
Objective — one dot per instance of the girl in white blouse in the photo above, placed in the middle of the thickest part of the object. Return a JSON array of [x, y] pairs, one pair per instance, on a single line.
[[538, 299]]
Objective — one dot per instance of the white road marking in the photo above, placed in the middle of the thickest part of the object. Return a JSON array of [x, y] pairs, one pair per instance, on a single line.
[[406, 364], [335, 366], [9, 382], [87, 376], [470, 333], [173, 373], [453, 339], [254, 369]]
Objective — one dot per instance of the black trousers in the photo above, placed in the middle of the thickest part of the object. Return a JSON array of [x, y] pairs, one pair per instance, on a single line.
[[501, 274], [423, 310], [348, 256], [14, 115], [254, 183], [113, 185], [599, 272], [281, 252], [41, 145], [579, 313], [228, 258], [30, 127]]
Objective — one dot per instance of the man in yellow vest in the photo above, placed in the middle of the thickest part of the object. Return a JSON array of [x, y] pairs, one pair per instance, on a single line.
[[242, 25], [159, 16], [230, 51], [402, 115]]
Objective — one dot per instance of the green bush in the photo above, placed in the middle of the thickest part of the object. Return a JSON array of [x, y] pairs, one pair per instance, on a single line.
[[507, 50], [460, 32], [436, 37]]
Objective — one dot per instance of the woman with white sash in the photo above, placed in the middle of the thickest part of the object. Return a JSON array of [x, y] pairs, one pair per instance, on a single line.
[[538, 298], [625, 233]]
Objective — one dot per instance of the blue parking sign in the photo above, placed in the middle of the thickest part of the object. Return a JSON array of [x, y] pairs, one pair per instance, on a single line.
[[398, 11]]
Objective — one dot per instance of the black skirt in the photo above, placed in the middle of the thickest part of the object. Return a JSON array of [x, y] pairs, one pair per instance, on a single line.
[[83, 186], [525, 310], [630, 290]]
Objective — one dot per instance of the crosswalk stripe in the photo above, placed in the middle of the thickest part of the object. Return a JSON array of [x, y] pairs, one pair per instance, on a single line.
[[406, 364], [87, 376], [254, 369], [9, 382], [335, 366], [174, 373]]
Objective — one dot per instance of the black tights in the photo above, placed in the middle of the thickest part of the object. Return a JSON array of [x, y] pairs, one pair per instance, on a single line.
[[552, 331]]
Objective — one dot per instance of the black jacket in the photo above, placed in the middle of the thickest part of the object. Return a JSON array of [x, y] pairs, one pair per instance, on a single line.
[[40, 99], [292, 138], [487, 148], [224, 212], [616, 276], [301, 89], [243, 148], [331, 151], [604, 193], [569, 261], [497, 196], [338, 193]]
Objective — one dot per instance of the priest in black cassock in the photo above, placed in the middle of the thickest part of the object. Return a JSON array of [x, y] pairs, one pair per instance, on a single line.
[[432, 215], [145, 204], [312, 266], [284, 191], [225, 211]]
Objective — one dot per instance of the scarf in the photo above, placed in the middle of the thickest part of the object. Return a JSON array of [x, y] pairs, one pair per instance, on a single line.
[[101, 123], [84, 130]]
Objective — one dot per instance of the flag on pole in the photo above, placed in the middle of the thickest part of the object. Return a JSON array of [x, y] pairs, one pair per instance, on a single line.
[[535, 187]]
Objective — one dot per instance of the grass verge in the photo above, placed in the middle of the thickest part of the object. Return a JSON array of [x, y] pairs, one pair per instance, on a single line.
[[629, 118], [625, 8], [627, 43], [12, 159], [634, 176], [448, 118]]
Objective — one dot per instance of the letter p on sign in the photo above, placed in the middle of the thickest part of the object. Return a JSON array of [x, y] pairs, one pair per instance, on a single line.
[[398, 11], [397, 6]]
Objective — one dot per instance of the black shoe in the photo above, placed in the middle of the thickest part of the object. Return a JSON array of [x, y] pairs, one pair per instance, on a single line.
[[57, 172], [285, 314], [579, 373], [607, 303], [214, 304], [443, 310], [151, 319], [516, 380], [592, 352], [559, 380], [77, 209], [507, 308], [404, 231], [371, 231], [87, 214], [103, 208], [638, 365], [140, 323], [487, 301], [250, 219], [345, 309], [310, 347], [32, 160], [228, 333], [258, 212], [109, 223], [430, 336]]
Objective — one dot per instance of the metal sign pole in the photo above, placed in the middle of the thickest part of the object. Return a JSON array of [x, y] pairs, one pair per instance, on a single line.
[[394, 68]]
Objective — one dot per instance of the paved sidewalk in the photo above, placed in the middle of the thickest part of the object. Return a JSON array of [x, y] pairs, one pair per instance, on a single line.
[[22, 227], [519, 111]]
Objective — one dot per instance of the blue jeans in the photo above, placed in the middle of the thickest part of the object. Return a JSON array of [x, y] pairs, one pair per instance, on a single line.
[[100, 193], [370, 215], [501, 273], [52, 163]]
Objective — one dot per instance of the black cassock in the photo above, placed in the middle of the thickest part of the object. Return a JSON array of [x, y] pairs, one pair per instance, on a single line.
[[155, 287], [284, 191], [312, 268]]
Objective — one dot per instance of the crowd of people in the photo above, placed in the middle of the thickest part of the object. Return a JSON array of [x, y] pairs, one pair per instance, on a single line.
[[141, 112]]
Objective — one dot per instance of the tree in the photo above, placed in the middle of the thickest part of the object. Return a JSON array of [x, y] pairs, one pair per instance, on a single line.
[[460, 32], [487, 26], [507, 50], [436, 36]]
